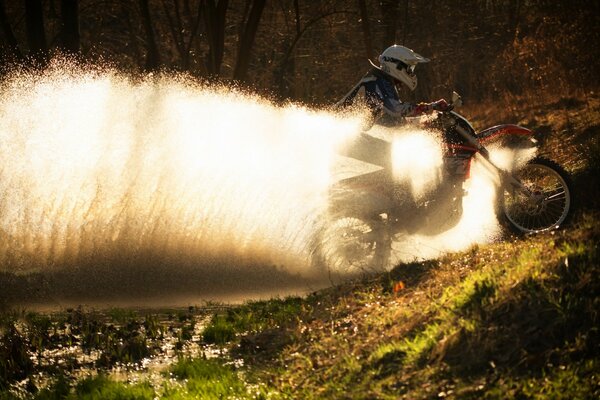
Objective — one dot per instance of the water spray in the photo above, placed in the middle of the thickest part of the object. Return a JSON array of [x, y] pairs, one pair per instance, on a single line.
[[100, 172]]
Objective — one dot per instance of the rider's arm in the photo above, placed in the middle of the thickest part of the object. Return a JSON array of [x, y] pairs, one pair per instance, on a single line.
[[396, 108], [384, 93]]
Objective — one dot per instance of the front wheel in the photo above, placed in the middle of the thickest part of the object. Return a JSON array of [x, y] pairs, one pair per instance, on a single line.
[[546, 203]]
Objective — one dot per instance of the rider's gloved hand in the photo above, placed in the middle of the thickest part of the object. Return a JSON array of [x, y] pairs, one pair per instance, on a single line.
[[440, 105], [427, 108]]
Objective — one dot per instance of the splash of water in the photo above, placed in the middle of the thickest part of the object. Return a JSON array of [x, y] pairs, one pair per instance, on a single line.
[[102, 171], [417, 159], [104, 175]]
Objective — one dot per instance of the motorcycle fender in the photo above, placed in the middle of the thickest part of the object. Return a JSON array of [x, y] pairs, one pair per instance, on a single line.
[[507, 135]]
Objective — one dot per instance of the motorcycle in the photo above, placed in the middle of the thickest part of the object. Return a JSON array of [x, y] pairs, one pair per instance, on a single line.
[[366, 211]]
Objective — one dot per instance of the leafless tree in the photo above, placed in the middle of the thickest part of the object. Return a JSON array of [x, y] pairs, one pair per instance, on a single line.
[[246, 40], [214, 12], [36, 35], [12, 43], [184, 26], [366, 28], [153, 55], [389, 19], [69, 35]]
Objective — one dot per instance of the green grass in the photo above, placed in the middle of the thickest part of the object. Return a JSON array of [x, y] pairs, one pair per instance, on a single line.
[[103, 388], [568, 382], [220, 331], [252, 317], [207, 379]]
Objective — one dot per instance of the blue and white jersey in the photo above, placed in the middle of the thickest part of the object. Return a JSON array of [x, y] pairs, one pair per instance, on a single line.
[[380, 95]]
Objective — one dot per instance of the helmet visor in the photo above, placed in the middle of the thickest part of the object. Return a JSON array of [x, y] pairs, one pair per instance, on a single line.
[[410, 69]]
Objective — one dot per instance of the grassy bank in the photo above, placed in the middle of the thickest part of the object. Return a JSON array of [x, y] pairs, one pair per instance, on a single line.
[[516, 319]]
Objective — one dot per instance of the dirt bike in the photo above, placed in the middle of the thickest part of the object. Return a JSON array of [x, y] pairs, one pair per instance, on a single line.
[[366, 211]]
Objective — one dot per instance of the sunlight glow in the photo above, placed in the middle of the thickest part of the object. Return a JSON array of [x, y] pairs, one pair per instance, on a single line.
[[417, 159], [100, 169], [92, 163]]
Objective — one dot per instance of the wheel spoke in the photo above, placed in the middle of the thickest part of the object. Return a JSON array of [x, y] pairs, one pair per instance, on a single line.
[[558, 196], [547, 204]]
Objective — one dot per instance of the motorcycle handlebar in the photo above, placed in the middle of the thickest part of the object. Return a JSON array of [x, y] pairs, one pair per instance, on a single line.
[[456, 100]]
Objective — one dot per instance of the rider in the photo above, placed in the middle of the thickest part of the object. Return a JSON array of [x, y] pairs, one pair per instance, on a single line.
[[396, 64]]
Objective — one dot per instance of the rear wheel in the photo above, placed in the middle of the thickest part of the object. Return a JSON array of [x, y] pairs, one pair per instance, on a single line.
[[547, 202], [350, 246]]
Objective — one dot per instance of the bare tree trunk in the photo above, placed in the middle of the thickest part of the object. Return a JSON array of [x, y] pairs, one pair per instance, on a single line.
[[125, 14], [13, 45], [514, 11], [195, 29], [69, 35], [214, 20], [297, 17], [247, 40], [36, 36], [178, 29], [389, 18], [405, 24], [288, 67], [366, 28], [153, 56]]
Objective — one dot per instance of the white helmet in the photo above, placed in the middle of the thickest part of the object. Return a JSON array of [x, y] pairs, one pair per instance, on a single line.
[[399, 62]]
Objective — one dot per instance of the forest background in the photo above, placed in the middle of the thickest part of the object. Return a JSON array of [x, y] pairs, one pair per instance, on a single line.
[[314, 51]]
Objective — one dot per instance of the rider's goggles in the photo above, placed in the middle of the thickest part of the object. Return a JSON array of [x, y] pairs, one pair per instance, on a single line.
[[409, 68]]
